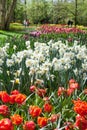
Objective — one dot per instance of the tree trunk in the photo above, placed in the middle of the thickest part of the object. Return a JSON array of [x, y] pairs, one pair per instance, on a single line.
[[6, 15], [2, 13], [76, 12], [9, 14]]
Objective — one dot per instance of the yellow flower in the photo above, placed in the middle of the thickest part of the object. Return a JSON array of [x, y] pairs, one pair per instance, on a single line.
[[17, 81]]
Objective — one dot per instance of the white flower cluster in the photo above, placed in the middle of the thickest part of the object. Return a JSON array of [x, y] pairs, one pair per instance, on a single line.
[[3, 55], [48, 58]]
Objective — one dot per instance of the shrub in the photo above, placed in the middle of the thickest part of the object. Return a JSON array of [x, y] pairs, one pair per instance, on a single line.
[[16, 26]]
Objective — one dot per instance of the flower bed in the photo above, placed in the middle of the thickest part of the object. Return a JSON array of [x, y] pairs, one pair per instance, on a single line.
[[58, 110], [55, 29], [58, 32], [41, 88], [51, 64]]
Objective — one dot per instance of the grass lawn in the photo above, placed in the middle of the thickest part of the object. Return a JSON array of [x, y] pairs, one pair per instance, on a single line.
[[16, 30], [4, 35]]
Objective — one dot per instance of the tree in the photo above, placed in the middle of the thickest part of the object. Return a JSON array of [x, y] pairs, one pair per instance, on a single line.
[[37, 11], [20, 12], [59, 12], [6, 15], [76, 8]]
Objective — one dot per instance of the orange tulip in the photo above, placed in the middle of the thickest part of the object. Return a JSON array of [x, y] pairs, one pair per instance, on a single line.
[[35, 111], [47, 107], [16, 119], [80, 107], [20, 98], [42, 121]]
